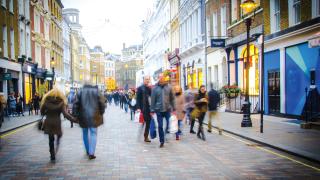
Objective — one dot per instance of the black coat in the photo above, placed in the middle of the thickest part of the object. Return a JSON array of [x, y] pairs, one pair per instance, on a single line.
[[214, 99], [143, 96]]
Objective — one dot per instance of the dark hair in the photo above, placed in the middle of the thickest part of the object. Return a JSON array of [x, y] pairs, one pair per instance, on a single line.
[[200, 88]]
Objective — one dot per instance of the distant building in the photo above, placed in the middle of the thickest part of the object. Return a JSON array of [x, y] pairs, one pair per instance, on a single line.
[[126, 68]]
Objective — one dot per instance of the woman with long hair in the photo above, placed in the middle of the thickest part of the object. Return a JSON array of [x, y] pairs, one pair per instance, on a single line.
[[201, 103], [52, 105], [180, 110]]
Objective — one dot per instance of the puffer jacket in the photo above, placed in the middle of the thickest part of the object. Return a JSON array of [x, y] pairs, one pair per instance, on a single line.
[[162, 98], [89, 107], [52, 108]]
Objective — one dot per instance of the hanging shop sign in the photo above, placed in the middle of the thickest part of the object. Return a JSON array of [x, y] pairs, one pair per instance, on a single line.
[[6, 76], [218, 43]]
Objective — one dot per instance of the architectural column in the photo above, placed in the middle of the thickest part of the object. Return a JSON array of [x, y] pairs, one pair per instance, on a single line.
[[282, 80]]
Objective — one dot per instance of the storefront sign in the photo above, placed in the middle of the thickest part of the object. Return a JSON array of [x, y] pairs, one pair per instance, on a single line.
[[7, 76], [314, 42], [217, 43], [173, 57]]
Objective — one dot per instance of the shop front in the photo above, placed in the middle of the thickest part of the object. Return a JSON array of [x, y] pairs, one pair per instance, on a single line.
[[41, 84], [29, 71], [175, 67], [10, 77]]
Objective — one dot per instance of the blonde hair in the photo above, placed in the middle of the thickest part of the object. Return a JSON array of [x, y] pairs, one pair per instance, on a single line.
[[56, 93]]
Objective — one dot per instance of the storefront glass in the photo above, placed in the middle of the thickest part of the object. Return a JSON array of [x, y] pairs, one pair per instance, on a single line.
[[28, 88]]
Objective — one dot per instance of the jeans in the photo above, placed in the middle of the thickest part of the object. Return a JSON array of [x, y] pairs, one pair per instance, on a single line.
[[90, 140], [132, 114], [200, 129], [125, 107], [179, 128], [160, 116]]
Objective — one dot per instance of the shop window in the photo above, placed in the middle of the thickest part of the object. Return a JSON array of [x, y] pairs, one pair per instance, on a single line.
[[28, 88], [200, 77]]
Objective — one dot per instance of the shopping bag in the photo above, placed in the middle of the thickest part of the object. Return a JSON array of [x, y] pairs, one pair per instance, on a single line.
[[141, 119], [136, 117], [153, 131], [173, 128]]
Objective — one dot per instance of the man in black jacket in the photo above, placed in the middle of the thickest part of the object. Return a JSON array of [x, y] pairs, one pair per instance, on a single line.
[[143, 104], [214, 99]]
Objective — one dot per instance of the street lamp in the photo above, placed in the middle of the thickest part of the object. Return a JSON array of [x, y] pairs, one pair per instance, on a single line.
[[52, 62], [248, 6]]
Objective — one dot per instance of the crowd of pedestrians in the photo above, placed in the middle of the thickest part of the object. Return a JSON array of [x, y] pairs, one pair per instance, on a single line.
[[163, 103]]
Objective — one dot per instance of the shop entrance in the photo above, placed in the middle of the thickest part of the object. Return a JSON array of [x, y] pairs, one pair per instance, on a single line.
[[274, 91]]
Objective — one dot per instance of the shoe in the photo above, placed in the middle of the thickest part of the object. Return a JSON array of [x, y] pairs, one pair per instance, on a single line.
[[161, 145], [92, 157], [209, 131], [177, 138], [52, 158], [147, 140], [192, 132]]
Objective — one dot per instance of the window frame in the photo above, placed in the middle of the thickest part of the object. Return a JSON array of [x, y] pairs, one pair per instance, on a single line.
[[5, 41], [315, 8], [12, 49]]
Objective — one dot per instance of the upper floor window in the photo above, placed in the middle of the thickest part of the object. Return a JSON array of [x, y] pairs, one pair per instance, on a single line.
[[5, 41], [4, 3], [11, 6], [315, 8], [234, 10], [294, 12], [214, 24], [223, 21], [12, 53], [275, 15]]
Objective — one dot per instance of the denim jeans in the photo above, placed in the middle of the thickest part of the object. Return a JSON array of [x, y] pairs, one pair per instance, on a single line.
[[160, 116], [179, 128], [90, 140], [125, 107]]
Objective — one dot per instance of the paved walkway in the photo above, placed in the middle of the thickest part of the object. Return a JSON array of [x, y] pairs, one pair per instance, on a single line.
[[282, 133], [18, 121], [122, 154]]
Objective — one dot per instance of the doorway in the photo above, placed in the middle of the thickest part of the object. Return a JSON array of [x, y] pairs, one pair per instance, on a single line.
[[274, 91]]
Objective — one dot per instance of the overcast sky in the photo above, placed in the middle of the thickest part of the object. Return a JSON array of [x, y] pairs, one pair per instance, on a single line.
[[110, 23]]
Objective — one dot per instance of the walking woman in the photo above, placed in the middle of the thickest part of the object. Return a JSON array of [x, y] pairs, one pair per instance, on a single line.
[[180, 110], [201, 103], [19, 107], [36, 103], [52, 105], [132, 103]]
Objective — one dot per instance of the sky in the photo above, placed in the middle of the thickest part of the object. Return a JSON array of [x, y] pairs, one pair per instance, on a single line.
[[110, 23]]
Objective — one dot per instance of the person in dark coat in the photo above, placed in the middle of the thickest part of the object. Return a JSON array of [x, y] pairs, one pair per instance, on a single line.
[[19, 107], [143, 104], [214, 99], [52, 105], [199, 112], [12, 104], [132, 103], [90, 107], [36, 103]]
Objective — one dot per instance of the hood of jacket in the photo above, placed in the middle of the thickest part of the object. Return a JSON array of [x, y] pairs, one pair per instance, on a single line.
[[53, 103]]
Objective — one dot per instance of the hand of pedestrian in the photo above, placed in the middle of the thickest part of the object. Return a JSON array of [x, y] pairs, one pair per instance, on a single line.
[[152, 113], [138, 110]]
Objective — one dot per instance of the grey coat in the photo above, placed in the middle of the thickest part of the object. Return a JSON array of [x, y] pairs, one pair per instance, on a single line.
[[162, 98]]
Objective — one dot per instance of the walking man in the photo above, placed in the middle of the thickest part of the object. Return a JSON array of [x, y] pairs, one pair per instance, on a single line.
[[90, 107], [162, 103], [214, 99], [189, 105], [143, 105]]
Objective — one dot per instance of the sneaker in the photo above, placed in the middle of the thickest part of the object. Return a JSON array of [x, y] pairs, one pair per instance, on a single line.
[[147, 140], [161, 145]]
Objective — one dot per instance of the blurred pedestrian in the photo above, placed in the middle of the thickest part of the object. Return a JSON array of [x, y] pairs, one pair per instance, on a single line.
[[90, 108], [214, 99], [132, 103], [199, 112], [36, 103], [180, 109], [3, 103], [189, 105], [12, 103], [52, 105], [19, 106], [71, 101], [143, 104], [162, 103]]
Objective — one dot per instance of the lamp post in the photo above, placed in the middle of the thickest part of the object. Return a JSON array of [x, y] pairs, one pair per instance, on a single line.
[[248, 6], [52, 62]]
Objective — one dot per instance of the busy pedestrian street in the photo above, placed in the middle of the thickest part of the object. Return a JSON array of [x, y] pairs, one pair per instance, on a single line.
[[121, 153]]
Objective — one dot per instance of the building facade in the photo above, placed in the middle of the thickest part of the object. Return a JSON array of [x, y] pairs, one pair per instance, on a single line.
[[126, 69], [84, 61], [110, 72], [217, 21], [66, 76], [10, 69], [291, 55], [192, 43], [97, 67], [56, 38], [156, 44]]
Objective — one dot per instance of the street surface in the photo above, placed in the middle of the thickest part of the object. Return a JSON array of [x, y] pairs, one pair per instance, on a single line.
[[24, 154]]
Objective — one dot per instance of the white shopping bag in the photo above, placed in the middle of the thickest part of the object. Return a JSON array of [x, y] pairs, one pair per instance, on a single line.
[[154, 116], [136, 117], [173, 128]]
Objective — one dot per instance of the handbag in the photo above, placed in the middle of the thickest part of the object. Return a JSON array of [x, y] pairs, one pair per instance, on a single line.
[[141, 118], [41, 124], [173, 128]]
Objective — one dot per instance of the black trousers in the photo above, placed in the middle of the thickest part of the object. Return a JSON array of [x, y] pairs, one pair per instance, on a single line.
[[51, 144], [200, 129], [147, 119]]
